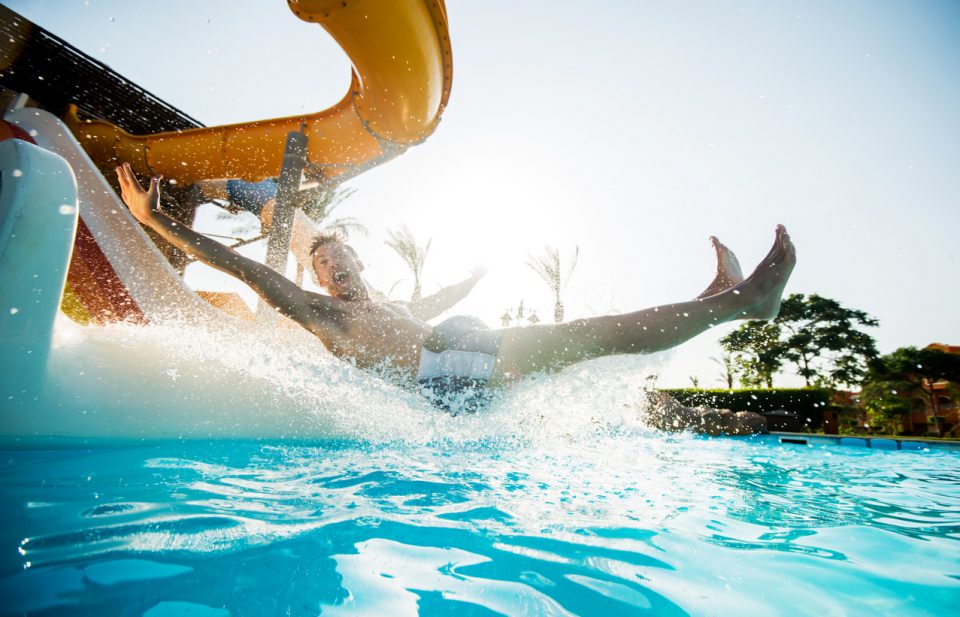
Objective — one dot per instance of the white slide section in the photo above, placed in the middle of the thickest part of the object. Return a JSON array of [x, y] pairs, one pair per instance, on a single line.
[[38, 219], [156, 287]]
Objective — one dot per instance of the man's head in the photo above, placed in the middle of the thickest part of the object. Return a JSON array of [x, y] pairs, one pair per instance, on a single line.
[[337, 266]]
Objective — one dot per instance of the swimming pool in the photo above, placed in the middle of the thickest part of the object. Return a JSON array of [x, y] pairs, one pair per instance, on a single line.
[[617, 520]]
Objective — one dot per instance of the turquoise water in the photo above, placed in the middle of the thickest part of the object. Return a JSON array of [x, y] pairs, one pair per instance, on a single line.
[[611, 522]]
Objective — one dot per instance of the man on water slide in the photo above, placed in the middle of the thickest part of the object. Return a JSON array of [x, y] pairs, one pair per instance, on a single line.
[[455, 362]]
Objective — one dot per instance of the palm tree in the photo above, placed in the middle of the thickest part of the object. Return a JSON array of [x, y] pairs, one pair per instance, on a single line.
[[412, 254], [547, 266], [320, 202]]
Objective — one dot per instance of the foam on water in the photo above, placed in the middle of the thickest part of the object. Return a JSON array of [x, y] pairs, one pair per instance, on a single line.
[[190, 379]]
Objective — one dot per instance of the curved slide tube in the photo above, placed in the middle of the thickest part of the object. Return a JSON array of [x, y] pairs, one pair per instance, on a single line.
[[402, 73]]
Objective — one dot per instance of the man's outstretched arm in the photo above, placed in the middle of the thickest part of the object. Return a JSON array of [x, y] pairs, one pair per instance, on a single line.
[[434, 304], [277, 290]]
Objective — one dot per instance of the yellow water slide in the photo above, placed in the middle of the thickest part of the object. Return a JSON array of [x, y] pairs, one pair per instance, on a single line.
[[402, 72]]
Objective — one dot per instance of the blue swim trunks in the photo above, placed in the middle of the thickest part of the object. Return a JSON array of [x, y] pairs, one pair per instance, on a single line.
[[456, 362], [251, 196]]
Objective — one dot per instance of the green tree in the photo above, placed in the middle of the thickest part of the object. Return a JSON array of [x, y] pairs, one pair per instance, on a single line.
[[548, 267], [755, 352], [729, 368], [822, 339], [908, 375], [818, 335], [412, 253], [885, 409]]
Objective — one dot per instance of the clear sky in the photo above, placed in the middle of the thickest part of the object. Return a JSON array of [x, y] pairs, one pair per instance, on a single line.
[[632, 129]]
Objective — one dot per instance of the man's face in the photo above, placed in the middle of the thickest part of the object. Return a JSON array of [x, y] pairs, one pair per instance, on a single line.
[[338, 270]]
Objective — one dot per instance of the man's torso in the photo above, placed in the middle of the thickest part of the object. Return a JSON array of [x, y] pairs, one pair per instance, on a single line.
[[375, 334]]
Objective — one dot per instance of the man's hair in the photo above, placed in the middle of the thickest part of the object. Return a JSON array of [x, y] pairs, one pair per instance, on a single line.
[[330, 237]]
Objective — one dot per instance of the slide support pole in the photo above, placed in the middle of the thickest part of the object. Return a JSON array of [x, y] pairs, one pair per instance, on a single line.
[[288, 186]]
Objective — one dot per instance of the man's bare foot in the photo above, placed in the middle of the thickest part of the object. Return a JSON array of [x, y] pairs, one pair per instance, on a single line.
[[728, 270], [761, 292]]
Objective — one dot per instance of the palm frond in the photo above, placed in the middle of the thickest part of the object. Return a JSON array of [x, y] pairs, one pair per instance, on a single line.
[[573, 263], [345, 226], [548, 267], [320, 202], [412, 253], [403, 242]]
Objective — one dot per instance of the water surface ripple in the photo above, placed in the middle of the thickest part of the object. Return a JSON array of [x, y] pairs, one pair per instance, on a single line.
[[620, 522]]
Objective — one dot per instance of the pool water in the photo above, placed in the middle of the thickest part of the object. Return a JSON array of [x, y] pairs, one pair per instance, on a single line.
[[614, 521]]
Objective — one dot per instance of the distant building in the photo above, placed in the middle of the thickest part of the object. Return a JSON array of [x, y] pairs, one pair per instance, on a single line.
[[945, 348], [920, 420], [944, 405]]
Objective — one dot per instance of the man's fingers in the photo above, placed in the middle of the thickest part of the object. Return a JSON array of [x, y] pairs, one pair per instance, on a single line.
[[128, 179], [129, 176]]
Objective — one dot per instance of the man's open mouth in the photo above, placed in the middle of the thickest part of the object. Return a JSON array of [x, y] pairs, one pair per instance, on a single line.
[[340, 277]]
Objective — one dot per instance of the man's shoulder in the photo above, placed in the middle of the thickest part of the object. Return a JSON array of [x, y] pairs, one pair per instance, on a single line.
[[327, 306]]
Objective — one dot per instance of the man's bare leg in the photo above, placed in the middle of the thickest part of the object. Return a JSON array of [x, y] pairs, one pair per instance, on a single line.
[[551, 347], [728, 270], [662, 411]]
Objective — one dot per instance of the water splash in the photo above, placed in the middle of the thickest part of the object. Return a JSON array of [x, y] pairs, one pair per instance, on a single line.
[[189, 379]]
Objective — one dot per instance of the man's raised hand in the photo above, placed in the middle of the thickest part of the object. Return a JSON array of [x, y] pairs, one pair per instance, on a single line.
[[143, 204]]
